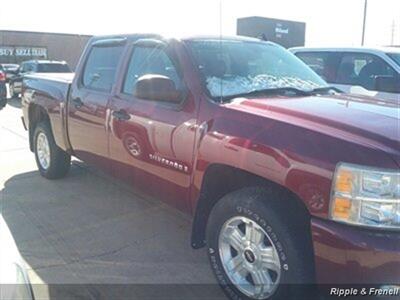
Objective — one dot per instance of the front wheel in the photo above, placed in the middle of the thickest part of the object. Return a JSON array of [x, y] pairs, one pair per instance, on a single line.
[[53, 162], [255, 250]]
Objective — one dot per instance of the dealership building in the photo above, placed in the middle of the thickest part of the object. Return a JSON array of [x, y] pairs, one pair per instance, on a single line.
[[19, 46], [283, 32]]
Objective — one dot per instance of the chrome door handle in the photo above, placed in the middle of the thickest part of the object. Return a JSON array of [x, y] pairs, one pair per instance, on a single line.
[[77, 102]]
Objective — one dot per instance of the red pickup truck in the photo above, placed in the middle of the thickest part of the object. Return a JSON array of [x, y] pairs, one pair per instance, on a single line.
[[289, 181]]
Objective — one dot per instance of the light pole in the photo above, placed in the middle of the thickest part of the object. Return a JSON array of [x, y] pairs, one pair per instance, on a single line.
[[393, 32], [364, 22]]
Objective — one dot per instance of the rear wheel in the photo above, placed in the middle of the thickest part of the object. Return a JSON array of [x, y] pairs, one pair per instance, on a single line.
[[53, 162], [255, 249], [3, 102]]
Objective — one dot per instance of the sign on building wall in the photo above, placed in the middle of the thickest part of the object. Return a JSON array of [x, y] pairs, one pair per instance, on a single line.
[[18, 53], [286, 33]]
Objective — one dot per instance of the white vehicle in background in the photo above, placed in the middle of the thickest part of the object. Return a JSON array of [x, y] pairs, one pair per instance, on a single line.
[[14, 279], [367, 71]]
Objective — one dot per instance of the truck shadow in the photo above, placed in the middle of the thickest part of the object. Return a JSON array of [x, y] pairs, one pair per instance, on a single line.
[[89, 236]]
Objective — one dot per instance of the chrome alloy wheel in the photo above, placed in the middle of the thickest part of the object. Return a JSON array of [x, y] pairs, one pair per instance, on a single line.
[[249, 257], [43, 150]]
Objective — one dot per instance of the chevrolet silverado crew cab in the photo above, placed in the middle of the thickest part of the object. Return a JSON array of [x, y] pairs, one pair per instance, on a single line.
[[289, 181]]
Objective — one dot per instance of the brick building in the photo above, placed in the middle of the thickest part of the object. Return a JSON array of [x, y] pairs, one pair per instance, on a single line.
[[18, 46]]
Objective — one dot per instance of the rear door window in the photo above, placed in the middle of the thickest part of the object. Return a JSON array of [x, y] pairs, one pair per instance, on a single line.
[[323, 63], [101, 67]]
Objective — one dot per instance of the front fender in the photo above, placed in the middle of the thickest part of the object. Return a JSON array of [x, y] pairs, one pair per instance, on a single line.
[[298, 159]]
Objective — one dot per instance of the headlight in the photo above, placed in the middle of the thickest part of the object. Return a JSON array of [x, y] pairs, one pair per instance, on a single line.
[[366, 196]]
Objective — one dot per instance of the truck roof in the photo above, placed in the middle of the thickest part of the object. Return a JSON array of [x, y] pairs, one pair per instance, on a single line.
[[131, 37], [217, 37], [185, 38]]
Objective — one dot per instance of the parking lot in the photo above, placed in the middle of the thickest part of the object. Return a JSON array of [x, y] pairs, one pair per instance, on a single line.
[[90, 229]]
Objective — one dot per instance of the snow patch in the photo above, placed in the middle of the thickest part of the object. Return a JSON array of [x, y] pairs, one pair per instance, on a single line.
[[222, 87]]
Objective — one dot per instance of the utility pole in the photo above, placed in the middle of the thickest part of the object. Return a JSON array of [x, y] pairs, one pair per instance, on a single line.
[[364, 22], [393, 32]]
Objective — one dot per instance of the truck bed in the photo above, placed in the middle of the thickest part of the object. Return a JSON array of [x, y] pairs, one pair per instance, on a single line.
[[55, 85], [50, 91]]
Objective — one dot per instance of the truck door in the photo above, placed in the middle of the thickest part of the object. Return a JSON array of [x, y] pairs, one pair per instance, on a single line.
[[87, 110], [151, 142]]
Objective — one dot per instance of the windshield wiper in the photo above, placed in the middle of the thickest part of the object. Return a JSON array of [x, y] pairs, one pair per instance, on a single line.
[[325, 89], [286, 91]]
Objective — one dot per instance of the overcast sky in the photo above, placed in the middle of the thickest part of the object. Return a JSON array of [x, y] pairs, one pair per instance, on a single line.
[[329, 22]]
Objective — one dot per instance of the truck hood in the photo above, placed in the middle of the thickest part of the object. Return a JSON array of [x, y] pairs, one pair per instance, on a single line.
[[363, 119]]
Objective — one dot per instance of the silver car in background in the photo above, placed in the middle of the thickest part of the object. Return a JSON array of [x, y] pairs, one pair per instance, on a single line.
[[10, 70], [373, 72]]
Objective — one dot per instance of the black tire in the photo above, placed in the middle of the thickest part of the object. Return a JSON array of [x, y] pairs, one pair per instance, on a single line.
[[289, 233], [3, 102], [60, 161], [12, 91]]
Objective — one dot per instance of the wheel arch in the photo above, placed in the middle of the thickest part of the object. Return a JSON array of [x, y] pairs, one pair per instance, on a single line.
[[213, 189], [36, 115]]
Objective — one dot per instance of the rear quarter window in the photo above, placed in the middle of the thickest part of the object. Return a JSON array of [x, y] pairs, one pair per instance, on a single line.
[[101, 66]]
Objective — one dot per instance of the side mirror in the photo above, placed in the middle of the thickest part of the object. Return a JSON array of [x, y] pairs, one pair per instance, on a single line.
[[157, 87], [388, 84]]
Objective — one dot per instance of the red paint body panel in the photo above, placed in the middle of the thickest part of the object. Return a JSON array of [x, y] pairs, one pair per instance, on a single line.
[[295, 142], [292, 150], [348, 255]]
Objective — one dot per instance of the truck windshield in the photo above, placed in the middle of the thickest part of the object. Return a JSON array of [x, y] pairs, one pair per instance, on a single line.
[[231, 67], [53, 68], [395, 57]]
